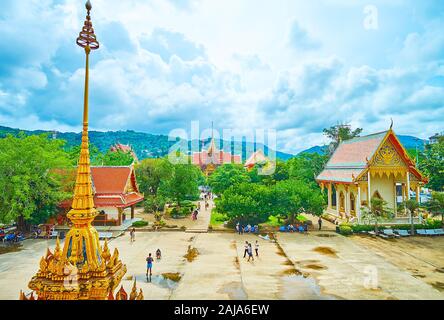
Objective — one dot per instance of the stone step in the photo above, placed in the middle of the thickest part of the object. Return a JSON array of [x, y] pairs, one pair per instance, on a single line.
[[196, 230]]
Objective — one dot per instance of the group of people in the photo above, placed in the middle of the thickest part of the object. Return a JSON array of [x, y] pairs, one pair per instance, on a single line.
[[249, 250], [241, 229], [297, 228]]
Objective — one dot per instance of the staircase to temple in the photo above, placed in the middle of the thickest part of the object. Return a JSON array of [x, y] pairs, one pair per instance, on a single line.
[[203, 221]]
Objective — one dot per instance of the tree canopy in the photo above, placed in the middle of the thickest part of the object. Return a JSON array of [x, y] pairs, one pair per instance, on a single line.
[[226, 176], [339, 133], [432, 164], [31, 188]]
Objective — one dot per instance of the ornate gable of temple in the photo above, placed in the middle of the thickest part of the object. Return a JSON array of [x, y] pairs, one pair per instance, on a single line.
[[391, 158], [380, 153]]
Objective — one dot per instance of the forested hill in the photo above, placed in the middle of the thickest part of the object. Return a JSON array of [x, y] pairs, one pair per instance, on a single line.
[[145, 145]]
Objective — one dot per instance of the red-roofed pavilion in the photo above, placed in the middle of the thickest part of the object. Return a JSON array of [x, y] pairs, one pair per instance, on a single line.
[[115, 190]]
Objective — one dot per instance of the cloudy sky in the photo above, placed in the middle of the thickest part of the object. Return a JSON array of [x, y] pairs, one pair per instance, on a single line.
[[288, 65]]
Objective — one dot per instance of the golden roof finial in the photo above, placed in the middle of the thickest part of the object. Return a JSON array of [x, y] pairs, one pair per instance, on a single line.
[[140, 296], [57, 251], [133, 294]]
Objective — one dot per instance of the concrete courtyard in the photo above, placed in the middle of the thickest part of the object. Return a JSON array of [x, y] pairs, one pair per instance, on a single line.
[[321, 265]]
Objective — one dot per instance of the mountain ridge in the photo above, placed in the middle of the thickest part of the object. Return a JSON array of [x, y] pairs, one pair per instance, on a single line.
[[146, 145]]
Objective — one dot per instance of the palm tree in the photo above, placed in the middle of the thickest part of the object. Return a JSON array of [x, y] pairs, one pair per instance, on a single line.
[[411, 205], [436, 205], [377, 212]]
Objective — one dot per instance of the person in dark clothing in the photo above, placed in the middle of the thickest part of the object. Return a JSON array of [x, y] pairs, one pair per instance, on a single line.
[[246, 249], [320, 223], [149, 267]]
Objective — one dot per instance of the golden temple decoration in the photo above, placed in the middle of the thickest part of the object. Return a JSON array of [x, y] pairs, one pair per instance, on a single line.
[[83, 270], [387, 161]]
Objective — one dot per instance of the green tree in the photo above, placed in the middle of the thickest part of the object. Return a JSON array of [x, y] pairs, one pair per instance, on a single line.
[[293, 197], [432, 164], [246, 202], [154, 203], [96, 157], [183, 184], [378, 212], [31, 187], [436, 204], [411, 205], [280, 173], [117, 158], [226, 176], [150, 174], [306, 167], [339, 133]]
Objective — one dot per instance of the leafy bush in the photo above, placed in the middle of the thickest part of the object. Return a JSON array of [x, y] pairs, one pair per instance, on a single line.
[[433, 223], [345, 229], [140, 224], [180, 212], [187, 203], [301, 218]]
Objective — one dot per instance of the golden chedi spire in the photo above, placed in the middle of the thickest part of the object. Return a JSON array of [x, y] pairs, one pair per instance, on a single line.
[[83, 270]]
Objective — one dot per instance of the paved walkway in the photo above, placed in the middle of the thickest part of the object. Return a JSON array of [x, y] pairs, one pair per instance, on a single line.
[[321, 265], [203, 219]]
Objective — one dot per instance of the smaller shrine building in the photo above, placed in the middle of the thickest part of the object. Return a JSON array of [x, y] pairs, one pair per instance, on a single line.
[[376, 165], [116, 194]]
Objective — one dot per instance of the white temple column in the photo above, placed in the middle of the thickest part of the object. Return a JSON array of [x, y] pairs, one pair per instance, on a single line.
[[418, 190], [358, 205], [408, 186], [395, 206], [369, 197], [338, 204], [329, 195]]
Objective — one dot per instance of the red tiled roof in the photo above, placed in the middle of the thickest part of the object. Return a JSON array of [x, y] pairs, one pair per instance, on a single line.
[[120, 201], [355, 152], [218, 158], [109, 185], [256, 158], [351, 158], [339, 175], [110, 179]]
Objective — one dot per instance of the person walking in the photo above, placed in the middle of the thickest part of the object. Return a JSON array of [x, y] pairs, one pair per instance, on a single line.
[[250, 252], [149, 267], [133, 234], [320, 223], [237, 228], [256, 248], [246, 249]]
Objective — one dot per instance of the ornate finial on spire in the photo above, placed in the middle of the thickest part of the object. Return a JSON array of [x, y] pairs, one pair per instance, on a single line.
[[391, 125], [87, 38]]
